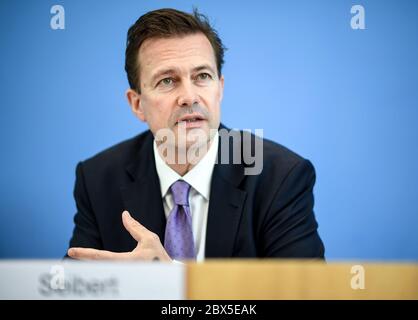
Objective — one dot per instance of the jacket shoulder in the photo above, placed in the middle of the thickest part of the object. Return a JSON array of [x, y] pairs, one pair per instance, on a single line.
[[275, 154], [117, 155], [280, 162]]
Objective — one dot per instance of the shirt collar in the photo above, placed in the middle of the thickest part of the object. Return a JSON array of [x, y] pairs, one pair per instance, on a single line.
[[199, 177]]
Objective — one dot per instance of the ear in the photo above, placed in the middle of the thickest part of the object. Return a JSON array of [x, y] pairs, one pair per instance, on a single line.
[[221, 87], [134, 99]]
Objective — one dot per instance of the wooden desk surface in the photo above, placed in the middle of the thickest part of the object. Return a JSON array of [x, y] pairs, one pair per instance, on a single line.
[[273, 279]]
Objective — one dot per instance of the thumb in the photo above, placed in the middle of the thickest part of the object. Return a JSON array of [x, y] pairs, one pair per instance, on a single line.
[[136, 229]]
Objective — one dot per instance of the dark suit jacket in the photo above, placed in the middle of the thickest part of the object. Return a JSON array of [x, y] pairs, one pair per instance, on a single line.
[[267, 215]]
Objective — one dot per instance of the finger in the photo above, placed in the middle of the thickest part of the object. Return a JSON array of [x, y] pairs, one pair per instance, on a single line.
[[136, 229], [95, 254]]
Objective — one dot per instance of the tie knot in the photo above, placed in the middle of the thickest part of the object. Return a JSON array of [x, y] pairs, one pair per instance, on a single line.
[[180, 190]]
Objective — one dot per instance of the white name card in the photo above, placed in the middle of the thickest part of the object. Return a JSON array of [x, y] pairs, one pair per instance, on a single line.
[[58, 279]]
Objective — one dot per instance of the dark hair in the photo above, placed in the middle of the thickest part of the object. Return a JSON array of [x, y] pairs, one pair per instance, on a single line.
[[166, 23]]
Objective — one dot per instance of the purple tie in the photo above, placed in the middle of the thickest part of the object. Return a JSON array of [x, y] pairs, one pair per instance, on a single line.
[[178, 239]]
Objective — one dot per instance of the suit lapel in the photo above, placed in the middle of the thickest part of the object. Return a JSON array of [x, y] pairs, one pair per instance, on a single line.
[[142, 195], [225, 208]]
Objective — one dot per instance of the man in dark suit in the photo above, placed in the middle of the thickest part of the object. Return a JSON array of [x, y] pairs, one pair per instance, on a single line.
[[178, 196]]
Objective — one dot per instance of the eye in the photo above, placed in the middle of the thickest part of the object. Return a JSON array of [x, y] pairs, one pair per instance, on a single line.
[[204, 76], [165, 82]]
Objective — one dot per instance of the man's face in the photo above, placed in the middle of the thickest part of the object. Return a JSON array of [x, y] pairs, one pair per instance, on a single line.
[[179, 82]]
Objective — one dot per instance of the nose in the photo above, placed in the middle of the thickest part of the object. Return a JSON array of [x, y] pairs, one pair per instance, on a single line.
[[187, 95]]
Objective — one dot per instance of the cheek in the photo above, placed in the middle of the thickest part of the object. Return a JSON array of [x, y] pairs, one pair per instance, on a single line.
[[217, 94], [157, 112], [215, 101]]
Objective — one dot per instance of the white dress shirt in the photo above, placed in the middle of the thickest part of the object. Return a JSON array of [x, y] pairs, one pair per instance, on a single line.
[[199, 178]]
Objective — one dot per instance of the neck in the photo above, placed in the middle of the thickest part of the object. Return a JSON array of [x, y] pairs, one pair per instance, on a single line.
[[184, 159]]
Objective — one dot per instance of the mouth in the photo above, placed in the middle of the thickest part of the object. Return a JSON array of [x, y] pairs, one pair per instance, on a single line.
[[190, 118]]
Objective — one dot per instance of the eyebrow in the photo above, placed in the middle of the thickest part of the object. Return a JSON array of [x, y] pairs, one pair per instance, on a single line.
[[168, 71], [173, 70], [204, 67]]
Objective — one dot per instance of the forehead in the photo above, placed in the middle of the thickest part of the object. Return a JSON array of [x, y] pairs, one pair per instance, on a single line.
[[186, 51]]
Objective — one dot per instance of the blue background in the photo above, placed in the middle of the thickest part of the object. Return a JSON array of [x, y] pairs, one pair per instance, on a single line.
[[345, 99]]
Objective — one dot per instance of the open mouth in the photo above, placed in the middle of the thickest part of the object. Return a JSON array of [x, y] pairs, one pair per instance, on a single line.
[[192, 118]]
